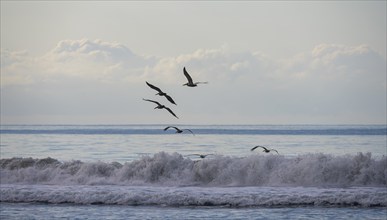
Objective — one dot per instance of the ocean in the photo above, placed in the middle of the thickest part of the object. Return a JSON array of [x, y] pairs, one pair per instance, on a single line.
[[144, 172]]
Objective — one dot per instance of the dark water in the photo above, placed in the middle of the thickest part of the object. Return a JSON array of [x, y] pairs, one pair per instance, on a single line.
[[66, 211]]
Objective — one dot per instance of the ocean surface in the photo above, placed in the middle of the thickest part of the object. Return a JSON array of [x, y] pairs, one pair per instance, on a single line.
[[144, 172]]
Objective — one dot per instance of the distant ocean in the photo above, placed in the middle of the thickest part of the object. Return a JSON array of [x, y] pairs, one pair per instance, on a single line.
[[144, 172]]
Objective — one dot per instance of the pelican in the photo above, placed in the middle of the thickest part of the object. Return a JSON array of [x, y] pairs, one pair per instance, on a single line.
[[190, 83], [200, 155], [264, 149], [160, 106], [161, 93], [178, 130]]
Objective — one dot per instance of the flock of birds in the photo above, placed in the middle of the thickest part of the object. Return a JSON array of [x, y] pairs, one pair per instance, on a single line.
[[190, 83]]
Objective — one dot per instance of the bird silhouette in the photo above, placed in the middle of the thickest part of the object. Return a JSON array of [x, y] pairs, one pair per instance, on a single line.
[[264, 149], [178, 130], [160, 106], [200, 155], [161, 93], [190, 83]]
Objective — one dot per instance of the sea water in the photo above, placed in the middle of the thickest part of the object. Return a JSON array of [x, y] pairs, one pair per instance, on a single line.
[[144, 172]]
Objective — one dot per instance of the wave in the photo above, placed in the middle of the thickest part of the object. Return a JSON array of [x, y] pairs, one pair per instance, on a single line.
[[164, 169], [196, 196]]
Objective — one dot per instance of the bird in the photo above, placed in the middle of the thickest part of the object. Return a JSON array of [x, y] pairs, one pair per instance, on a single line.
[[264, 149], [161, 93], [200, 155], [190, 83], [178, 130], [160, 106]]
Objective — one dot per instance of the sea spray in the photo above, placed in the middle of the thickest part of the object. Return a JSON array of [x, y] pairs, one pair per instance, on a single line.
[[164, 169]]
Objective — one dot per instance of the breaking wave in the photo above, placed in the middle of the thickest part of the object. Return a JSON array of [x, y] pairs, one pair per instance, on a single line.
[[221, 181], [164, 169], [196, 196]]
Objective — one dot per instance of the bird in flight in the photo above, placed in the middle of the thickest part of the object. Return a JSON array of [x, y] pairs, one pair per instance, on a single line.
[[178, 130], [190, 83], [161, 93], [160, 106], [200, 155], [264, 149]]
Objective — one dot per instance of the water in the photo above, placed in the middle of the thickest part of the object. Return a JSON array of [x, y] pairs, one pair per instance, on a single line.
[[68, 211], [141, 171]]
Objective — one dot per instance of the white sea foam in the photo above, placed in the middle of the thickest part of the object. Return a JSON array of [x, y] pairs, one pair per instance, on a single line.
[[196, 196], [163, 169]]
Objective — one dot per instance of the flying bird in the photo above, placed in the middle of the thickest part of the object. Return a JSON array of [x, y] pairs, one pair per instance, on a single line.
[[190, 83], [200, 155], [264, 149], [178, 130], [160, 106], [161, 93]]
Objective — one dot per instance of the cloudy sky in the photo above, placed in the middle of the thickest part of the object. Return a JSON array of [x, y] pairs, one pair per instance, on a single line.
[[266, 62]]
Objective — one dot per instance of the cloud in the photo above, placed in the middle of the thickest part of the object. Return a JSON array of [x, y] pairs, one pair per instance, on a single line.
[[330, 82], [102, 60], [97, 50], [346, 59], [96, 60]]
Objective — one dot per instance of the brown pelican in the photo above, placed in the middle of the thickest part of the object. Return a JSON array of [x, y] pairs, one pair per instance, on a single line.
[[178, 130], [161, 93], [160, 106], [264, 149], [200, 155], [190, 83]]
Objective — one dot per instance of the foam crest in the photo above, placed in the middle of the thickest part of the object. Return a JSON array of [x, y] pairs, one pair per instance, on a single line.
[[163, 169], [196, 196]]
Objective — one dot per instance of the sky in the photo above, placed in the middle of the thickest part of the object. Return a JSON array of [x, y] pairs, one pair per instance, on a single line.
[[282, 62]]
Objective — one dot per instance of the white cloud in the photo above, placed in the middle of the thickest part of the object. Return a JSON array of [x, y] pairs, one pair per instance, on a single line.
[[96, 60], [330, 82]]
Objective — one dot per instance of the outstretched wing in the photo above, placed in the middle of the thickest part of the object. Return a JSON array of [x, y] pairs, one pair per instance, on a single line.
[[170, 111], [187, 76], [194, 155], [189, 131], [275, 150], [170, 127], [254, 148], [166, 128], [148, 100], [170, 99], [153, 87], [263, 148]]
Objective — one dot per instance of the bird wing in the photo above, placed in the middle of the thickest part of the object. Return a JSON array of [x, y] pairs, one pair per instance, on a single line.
[[153, 87], [275, 150], [254, 148], [188, 76], [189, 131], [263, 147], [170, 111], [167, 128], [170, 99], [148, 100]]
